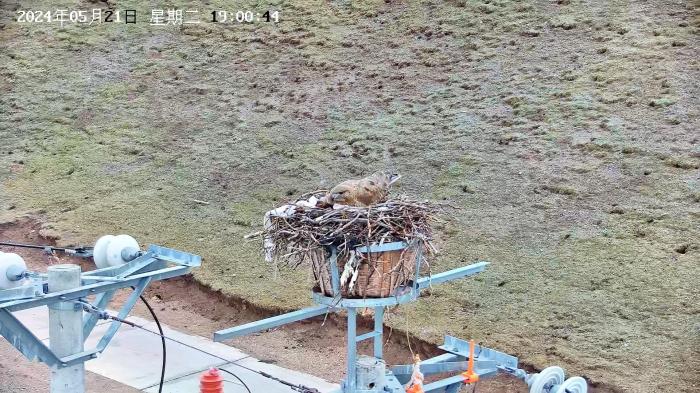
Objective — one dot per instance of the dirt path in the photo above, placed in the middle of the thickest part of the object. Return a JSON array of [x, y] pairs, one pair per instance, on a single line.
[[315, 347], [17, 375]]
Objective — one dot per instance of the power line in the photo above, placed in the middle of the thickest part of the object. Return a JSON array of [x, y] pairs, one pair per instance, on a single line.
[[78, 251], [236, 376], [101, 314], [300, 388], [192, 347]]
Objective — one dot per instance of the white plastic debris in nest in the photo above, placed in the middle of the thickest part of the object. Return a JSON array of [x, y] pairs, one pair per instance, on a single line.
[[282, 211]]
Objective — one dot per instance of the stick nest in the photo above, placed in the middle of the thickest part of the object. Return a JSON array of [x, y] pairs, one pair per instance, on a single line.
[[310, 229]]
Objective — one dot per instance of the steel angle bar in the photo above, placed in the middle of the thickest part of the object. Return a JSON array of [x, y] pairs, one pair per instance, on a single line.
[[25, 341], [451, 275], [136, 265], [350, 380], [79, 357], [440, 385], [445, 357], [175, 256], [393, 246], [21, 292], [432, 368], [271, 322], [123, 313], [485, 366], [461, 347], [90, 319], [366, 336], [379, 329], [97, 279], [124, 271], [362, 303], [93, 289], [116, 271]]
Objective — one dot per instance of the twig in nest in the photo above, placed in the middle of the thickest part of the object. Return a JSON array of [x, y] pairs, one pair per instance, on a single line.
[[309, 229]]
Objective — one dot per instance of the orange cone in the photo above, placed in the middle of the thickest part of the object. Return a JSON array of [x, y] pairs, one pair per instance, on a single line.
[[211, 382]]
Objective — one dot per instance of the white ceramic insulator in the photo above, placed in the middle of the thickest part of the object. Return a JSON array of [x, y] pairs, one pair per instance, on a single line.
[[548, 377], [110, 250], [99, 252], [8, 260], [573, 385], [115, 255]]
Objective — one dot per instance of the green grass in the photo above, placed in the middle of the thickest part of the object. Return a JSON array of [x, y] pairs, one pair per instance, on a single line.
[[563, 130]]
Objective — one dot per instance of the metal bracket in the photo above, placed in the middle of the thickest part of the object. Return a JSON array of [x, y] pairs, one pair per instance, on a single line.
[[158, 263], [326, 304], [461, 347], [271, 322], [22, 292]]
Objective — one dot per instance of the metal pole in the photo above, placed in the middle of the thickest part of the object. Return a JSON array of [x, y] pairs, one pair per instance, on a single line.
[[66, 330], [379, 329], [352, 351]]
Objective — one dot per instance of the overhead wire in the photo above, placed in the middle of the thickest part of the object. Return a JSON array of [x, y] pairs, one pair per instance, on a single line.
[[48, 248], [161, 334], [102, 314], [163, 337], [204, 352], [236, 376]]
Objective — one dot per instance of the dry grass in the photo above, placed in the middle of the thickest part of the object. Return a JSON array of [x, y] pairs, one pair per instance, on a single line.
[[566, 131]]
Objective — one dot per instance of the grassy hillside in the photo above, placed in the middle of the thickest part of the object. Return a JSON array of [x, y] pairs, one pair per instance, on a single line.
[[567, 131]]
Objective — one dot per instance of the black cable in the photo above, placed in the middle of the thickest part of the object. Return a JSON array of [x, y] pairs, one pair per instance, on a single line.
[[236, 376], [162, 341], [163, 337], [23, 245], [68, 250], [218, 357]]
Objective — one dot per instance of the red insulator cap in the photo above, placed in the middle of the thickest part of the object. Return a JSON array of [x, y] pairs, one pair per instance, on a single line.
[[211, 382]]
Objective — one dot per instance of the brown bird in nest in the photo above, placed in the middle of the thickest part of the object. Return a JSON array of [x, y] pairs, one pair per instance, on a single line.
[[363, 192]]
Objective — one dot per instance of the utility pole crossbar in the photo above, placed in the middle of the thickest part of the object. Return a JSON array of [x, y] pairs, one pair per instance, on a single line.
[[65, 291], [356, 372]]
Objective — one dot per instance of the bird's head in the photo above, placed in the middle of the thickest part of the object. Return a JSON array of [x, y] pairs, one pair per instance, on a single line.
[[339, 194]]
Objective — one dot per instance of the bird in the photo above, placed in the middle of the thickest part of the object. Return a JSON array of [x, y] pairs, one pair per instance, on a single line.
[[364, 192]]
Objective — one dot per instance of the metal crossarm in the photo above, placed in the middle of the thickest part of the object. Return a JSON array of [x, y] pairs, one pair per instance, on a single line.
[[157, 263], [450, 275], [461, 348], [391, 382], [269, 323], [465, 362], [487, 362]]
